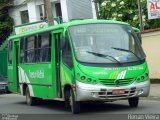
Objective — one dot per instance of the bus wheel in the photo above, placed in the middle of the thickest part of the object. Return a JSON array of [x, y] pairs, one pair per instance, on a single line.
[[75, 106], [30, 100], [67, 101], [133, 102]]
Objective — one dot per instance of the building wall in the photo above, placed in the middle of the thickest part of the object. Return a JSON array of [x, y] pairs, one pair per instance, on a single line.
[[71, 9], [79, 9], [33, 11], [31, 6], [15, 13], [19, 2], [151, 45]]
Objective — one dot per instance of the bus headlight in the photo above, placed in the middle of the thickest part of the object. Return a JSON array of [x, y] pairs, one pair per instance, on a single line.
[[89, 80], [142, 77], [83, 78], [146, 75]]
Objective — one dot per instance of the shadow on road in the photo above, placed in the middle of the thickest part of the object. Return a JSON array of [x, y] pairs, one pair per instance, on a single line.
[[85, 107], [106, 107]]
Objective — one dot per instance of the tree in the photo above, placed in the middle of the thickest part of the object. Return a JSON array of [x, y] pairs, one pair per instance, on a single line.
[[127, 11], [6, 22], [5, 3]]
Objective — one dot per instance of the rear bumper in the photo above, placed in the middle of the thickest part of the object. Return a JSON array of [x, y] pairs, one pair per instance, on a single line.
[[88, 92]]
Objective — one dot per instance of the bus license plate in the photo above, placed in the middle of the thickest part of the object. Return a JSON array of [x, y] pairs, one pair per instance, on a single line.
[[117, 92]]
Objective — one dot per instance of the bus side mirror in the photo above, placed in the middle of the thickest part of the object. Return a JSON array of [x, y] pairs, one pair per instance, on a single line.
[[62, 43], [139, 36]]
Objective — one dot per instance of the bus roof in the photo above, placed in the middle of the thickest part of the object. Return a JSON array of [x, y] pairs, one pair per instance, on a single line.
[[65, 25]]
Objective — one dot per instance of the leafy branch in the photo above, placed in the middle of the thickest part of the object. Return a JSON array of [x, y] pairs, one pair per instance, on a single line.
[[127, 11]]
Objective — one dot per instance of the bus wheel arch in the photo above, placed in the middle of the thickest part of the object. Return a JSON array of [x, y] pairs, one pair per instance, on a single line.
[[75, 105], [29, 99], [24, 89], [66, 95], [70, 101]]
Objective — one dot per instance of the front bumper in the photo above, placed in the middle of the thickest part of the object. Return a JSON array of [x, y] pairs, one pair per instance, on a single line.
[[98, 92]]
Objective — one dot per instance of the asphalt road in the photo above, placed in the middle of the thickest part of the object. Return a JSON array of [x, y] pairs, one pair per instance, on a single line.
[[15, 104], [14, 107]]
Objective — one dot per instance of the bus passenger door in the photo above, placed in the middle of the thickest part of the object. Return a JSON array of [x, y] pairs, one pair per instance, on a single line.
[[56, 63], [16, 64]]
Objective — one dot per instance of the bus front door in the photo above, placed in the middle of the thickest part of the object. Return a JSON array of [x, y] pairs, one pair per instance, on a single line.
[[16, 64], [57, 37]]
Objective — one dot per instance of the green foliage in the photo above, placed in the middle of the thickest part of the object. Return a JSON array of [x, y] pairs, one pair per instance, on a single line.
[[4, 1], [127, 11], [6, 22], [6, 26]]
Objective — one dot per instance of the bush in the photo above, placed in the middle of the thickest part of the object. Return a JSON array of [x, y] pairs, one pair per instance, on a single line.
[[6, 22], [6, 26]]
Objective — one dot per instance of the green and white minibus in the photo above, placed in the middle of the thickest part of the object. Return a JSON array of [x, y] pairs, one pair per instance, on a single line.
[[79, 61]]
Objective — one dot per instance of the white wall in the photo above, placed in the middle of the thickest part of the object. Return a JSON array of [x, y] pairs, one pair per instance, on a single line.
[[33, 10], [94, 11], [64, 10], [54, 9], [15, 13], [151, 43], [18, 2]]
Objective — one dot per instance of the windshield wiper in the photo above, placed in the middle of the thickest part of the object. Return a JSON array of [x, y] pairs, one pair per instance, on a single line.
[[104, 56], [120, 49]]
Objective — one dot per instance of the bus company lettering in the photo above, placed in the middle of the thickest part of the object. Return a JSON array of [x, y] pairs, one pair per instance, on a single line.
[[36, 74], [100, 73], [127, 68]]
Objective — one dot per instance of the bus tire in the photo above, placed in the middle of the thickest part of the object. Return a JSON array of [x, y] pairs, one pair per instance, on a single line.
[[133, 102], [75, 106], [30, 100], [67, 102]]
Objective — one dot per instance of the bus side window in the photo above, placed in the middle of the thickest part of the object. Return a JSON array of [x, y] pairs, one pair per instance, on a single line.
[[10, 53], [66, 53], [30, 49], [44, 47], [22, 51]]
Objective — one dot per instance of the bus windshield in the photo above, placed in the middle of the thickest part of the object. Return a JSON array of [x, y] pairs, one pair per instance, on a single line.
[[106, 43]]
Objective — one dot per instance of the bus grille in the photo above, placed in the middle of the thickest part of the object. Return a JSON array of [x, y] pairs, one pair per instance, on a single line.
[[122, 82]]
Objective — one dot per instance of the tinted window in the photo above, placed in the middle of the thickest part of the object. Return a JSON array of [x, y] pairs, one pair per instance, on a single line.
[[58, 10], [24, 16], [44, 47], [10, 53], [30, 49], [66, 53], [22, 51], [106, 43]]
